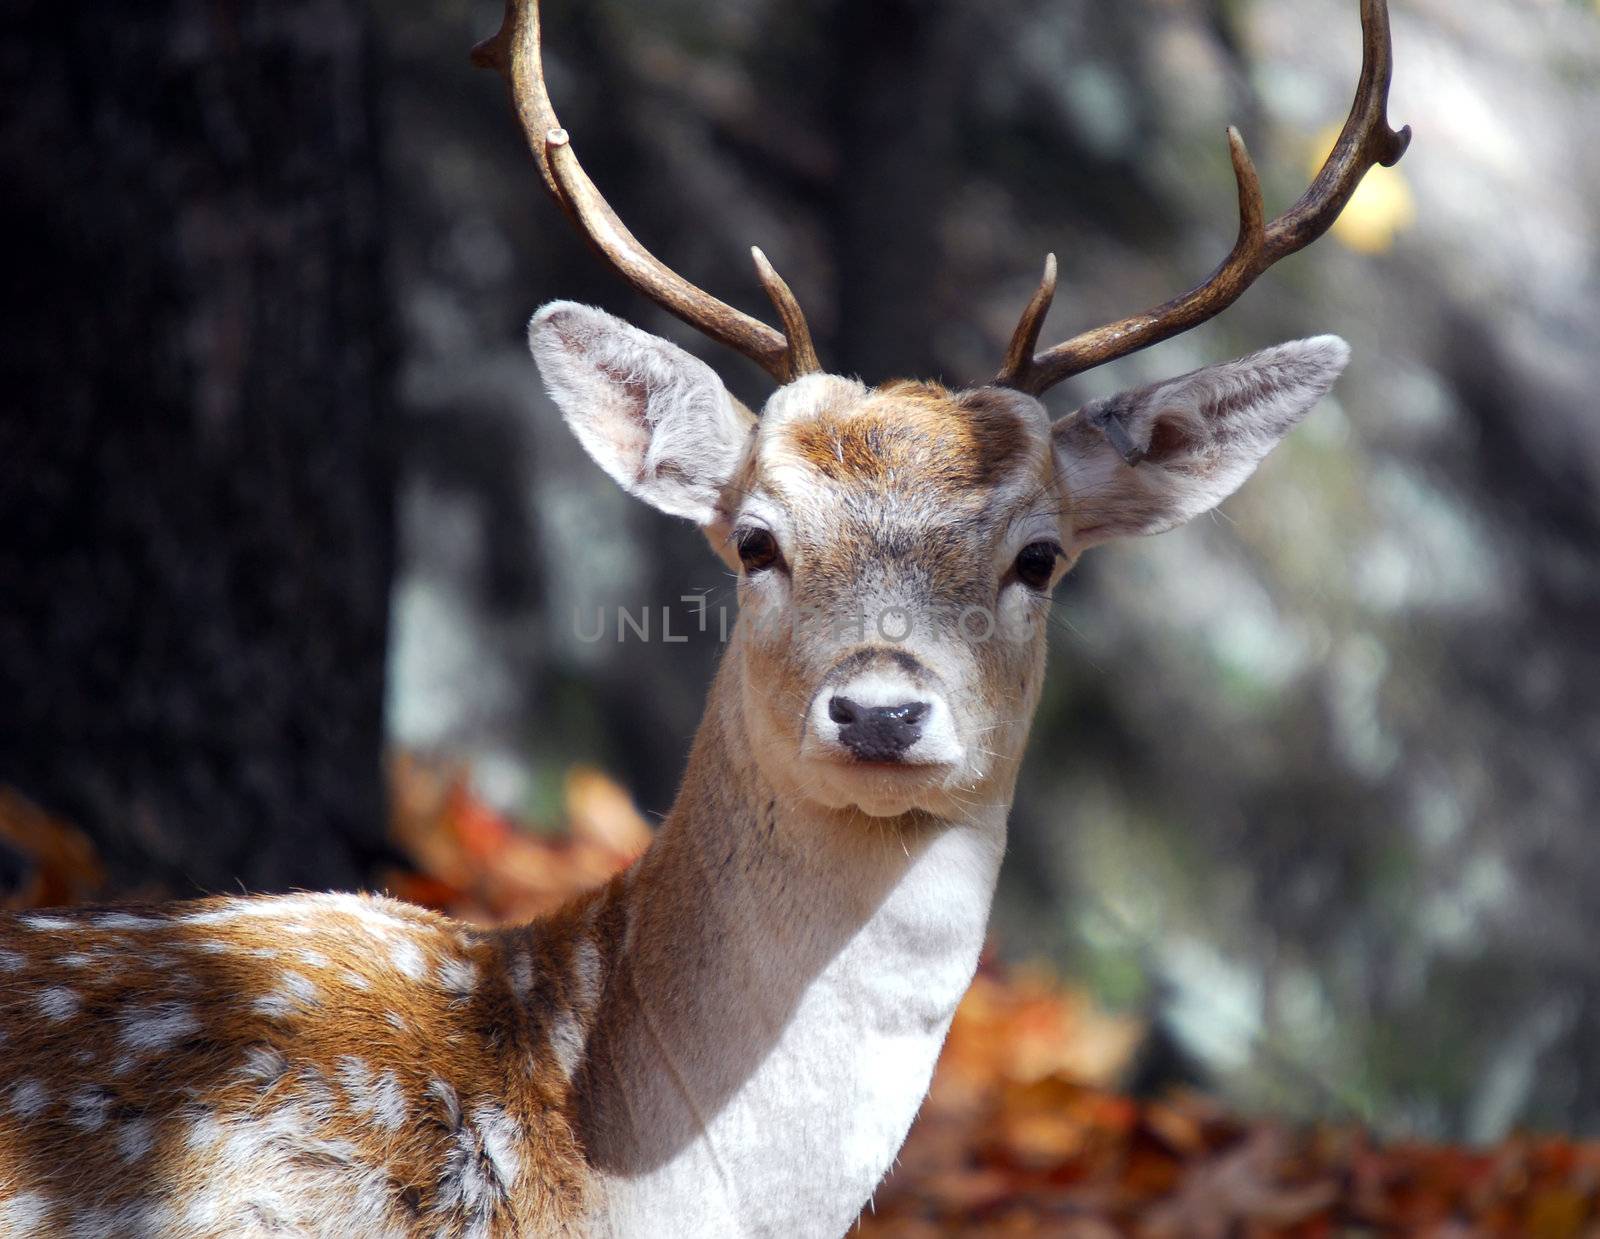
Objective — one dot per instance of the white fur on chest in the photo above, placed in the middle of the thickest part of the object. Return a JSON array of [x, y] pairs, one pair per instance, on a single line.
[[798, 1149]]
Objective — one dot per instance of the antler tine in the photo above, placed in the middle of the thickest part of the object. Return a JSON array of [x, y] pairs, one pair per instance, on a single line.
[[1019, 357], [515, 52], [802, 352], [1365, 141]]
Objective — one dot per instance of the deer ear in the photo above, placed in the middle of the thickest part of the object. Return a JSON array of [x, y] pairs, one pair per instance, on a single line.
[[1194, 440], [655, 418]]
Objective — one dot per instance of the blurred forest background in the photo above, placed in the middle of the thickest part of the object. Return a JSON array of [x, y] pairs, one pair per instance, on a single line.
[[1312, 791]]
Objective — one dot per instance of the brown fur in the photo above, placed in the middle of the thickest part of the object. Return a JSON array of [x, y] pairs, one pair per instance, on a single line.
[[951, 443], [127, 1041]]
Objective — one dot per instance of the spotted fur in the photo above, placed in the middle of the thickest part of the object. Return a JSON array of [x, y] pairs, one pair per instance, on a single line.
[[304, 1065]]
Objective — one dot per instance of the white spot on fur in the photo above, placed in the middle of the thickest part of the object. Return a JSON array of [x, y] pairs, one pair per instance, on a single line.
[[396, 1021], [312, 959], [300, 987], [304, 914], [36, 920], [294, 994], [481, 1164], [568, 1036], [446, 1096], [295, 1180], [157, 1028], [315, 1094], [57, 1003], [586, 975], [502, 1138], [275, 1006], [407, 957], [274, 907], [11, 961], [139, 1217], [125, 920], [24, 1214], [378, 924], [133, 1139], [458, 976], [87, 1108], [389, 1101], [354, 1074], [217, 916], [567, 1043], [381, 1096], [355, 980], [203, 1212], [521, 973], [204, 1132], [263, 1065], [28, 1099]]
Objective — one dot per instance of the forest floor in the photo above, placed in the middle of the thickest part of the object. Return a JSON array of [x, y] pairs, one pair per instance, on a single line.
[[1024, 1132]]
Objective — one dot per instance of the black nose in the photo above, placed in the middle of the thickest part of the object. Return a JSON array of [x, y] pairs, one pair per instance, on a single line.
[[878, 733]]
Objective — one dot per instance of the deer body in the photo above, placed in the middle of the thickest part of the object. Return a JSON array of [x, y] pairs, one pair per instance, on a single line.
[[733, 1037]]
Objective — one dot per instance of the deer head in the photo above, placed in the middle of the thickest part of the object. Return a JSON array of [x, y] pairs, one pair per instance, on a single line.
[[896, 546]]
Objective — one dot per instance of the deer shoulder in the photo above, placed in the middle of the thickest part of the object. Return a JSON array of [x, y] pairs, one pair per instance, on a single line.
[[308, 1064]]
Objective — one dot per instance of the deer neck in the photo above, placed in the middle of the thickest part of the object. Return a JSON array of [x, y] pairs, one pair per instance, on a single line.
[[785, 978]]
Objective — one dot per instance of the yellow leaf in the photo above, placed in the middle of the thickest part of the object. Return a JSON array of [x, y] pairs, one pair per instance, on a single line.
[[602, 813], [1382, 207]]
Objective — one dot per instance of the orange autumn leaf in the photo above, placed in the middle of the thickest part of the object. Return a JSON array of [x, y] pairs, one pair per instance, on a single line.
[[481, 831], [601, 813], [63, 866]]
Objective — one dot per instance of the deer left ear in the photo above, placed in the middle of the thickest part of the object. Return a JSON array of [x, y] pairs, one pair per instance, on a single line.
[[655, 418], [1150, 459]]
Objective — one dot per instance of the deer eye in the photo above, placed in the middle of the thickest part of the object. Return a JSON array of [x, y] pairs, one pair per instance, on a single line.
[[758, 549], [1036, 564]]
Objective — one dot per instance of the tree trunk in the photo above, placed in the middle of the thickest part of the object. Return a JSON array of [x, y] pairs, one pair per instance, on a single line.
[[898, 73], [195, 496]]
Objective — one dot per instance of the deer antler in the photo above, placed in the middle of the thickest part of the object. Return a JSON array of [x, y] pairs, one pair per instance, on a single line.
[[1365, 141], [515, 52]]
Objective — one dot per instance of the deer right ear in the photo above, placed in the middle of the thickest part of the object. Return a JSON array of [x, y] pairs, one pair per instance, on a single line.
[[1147, 460], [655, 418]]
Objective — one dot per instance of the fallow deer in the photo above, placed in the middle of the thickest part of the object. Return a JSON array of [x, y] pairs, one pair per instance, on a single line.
[[732, 1037]]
